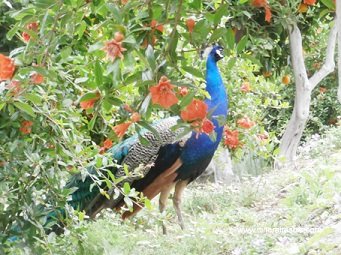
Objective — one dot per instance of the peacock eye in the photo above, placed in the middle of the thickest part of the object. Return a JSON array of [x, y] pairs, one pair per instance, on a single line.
[[219, 53]]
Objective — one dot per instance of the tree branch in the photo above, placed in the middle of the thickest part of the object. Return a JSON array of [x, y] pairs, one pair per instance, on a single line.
[[329, 64], [297, 59]]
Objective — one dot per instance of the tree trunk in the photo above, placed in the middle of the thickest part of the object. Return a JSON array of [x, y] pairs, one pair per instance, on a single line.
[[304, 86], [338, 24], [291, 137]]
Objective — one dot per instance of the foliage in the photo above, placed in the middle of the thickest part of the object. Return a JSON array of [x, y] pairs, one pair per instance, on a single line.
[[85, 67]]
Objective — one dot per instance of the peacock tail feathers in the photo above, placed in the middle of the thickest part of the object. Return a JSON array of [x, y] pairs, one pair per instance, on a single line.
[[130, 152]]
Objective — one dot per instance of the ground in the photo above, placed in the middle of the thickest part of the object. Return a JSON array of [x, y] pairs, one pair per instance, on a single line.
[[295, 210]]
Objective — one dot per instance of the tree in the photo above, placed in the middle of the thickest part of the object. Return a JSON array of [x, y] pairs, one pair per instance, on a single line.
[[304, 86]]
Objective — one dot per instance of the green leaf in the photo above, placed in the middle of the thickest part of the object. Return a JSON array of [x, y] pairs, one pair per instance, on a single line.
[[329, 4], [222, 10], [104, 193], [230, 40], [12, 31], [115, 69], [324, 13], [126, 188], [196, 4], [172, 45], [129, 203], [96, 46], [45, 4], [66, 52], [2, 105], [242, 44], [150, 128], [81, 79], [19, 15], [88, 96], [25, 107], [187, 99], [231, 63], [217, 34], [147, 204], [252, 59], [193, 71], [33, 98], [112, 176], [150, 57], [92, 122], [108, 183], [81, 28], [98, 74], [143, 140]]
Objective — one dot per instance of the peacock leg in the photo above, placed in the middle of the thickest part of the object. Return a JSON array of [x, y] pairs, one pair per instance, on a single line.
[[163, 202], [179, 188]]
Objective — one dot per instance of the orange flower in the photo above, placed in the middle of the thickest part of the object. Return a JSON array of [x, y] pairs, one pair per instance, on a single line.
[[150, 37], [107, 143], [268, 14], [190, 23], [114, 48], [123, 2], [245, 122], [267, 74], [302, 8], [207, 126], [144, 43], [203, 126], [26, 127], [231, 138], [263, 4], [245, 87], [127, 108], [7, 67], [25, 36], [309, 2], [196, 110], [135, 117], [14, 87], [163, 93], [183, 91], [32, 26], [37, 78], [322, 90], [259, 3], [87, 104], [286, 79], [119, 37], [121, 129], [154, 25]]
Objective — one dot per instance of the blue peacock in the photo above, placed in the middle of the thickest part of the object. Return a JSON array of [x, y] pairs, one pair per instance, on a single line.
[[167, 161]]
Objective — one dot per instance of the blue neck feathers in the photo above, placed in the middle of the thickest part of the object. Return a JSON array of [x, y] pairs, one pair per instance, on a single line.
[[200, 147], [217, 104]]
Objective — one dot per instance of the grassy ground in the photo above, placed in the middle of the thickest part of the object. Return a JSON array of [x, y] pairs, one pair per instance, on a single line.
[[290, 211]]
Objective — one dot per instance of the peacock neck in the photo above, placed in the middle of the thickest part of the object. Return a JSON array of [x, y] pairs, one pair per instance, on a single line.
[[215, 87]]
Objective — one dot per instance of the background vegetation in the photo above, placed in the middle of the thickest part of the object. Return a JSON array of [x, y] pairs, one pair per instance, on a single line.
[[69, 94]]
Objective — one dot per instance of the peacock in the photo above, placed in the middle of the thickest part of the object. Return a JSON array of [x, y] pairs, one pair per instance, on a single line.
[[167, 161]]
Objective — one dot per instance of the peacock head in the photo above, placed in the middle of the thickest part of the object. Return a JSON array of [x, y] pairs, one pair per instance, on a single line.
[[215, 52]]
